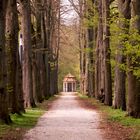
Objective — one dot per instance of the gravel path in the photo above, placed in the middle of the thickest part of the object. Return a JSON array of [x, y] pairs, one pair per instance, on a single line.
[[67, 120]]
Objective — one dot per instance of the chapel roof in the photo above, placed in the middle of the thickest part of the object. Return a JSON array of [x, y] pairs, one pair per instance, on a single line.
[[69, 78]]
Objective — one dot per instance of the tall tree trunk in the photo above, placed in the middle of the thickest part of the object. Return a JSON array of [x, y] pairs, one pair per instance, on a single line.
[[13, 55], [54, 45], [19, 87], [27, 68], [90, 62], [4, 114], [107, 51], [92, 36], [57, 46], [38, 56], [99, 68], [38, 97], [45, 76], [120, 74], [133, 80], [83, 46]]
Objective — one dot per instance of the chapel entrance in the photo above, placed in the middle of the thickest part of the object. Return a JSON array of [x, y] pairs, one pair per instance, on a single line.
[[69, 87]]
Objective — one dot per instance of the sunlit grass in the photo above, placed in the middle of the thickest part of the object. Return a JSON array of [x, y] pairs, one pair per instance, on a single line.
[[118, 115], [28, 119], [82, 96]]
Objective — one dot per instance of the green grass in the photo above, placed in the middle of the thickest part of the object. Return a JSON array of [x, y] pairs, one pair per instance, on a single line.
[[120, 116], [21, 123], [83, 96], [27, 120]]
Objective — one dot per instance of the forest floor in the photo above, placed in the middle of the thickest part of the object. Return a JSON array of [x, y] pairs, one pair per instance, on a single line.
[[71, 118]]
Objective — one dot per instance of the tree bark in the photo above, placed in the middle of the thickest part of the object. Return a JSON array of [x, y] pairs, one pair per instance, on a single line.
[[4, 114], [45, 75], [83, 47], [12, 45], [90, 62], [27, 68], [120, 74], [107, 51], [99, 66], [133, 80]]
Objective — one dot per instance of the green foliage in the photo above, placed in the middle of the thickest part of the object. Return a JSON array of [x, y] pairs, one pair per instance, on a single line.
[[27, 120], [124, 42], [118, 115], [133, 52], [82, 96], [91, 16], [88, 50]]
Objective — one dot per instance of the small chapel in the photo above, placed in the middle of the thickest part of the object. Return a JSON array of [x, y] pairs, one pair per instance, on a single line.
[[69, 83]]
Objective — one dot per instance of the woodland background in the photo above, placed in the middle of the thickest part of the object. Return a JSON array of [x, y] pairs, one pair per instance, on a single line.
[[101, 46]]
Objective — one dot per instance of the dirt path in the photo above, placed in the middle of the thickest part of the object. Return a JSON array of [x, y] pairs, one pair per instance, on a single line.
[[67, 120]]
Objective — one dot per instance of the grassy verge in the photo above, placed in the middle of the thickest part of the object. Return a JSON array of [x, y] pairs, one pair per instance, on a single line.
[[118, 116], [20, 124], [23, 123]]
